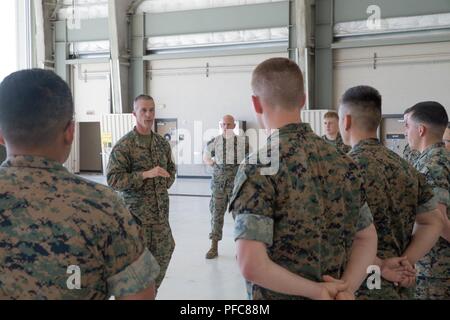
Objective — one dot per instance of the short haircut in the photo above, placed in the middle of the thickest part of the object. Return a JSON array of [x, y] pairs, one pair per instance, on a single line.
[[144, 97], [279, 82], [407, 111], [364, 104], [331, 115], [35, 107], [432, 114]]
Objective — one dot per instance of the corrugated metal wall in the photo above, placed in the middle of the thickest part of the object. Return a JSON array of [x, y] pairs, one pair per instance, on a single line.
[[113, 128], [315, 119]]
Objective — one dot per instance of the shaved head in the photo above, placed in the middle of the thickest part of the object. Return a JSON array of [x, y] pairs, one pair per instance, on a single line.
[[432, 115], [228, 124], [363, 104], [228, 119], [278, 82]]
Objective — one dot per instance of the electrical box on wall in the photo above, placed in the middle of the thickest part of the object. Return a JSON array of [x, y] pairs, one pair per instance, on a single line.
[[393, 133], [167, 128]]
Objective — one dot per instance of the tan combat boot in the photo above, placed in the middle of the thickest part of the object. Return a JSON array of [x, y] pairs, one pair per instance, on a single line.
[[213, 252]]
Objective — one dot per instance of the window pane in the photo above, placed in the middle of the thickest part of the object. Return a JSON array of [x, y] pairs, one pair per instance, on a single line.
[[8, 38]]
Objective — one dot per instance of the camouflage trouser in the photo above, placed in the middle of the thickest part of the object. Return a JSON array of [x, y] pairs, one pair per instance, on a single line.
[[160, 242], [385, 294], [388, 291], [432, 288], [222, 189]]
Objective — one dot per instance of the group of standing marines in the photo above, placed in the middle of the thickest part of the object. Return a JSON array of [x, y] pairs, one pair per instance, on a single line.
[[334, 207]]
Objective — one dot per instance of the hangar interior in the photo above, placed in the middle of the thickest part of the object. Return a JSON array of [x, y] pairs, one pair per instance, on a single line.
[[196, 58]]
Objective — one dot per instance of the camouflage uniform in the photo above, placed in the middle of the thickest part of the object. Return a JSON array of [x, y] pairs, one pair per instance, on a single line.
[[338, 143], [148, 200], [51, 220], [410, 155], [227, 154], [307, 213], [434, 269], [396, 192]]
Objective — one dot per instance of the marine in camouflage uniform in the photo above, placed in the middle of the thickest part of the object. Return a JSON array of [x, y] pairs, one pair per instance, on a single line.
[[433, 281], [396, 192], [228, 153], [410, 155], [148, 200], [338, 143], [308, 213], [51, 220]]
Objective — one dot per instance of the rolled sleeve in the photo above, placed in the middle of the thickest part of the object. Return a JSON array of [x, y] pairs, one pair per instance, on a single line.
[[254, 227], [136, 277], [365, 217], [426, 199], [428, 206], [442, 196]]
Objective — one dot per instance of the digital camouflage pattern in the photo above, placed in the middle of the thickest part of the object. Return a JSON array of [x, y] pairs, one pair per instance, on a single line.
[[338, 143], [159, 239], [410, 155], [51, 220], [307, 213], [227, 155], [434, 268], [432, 288], [396, 193], [148, 200]]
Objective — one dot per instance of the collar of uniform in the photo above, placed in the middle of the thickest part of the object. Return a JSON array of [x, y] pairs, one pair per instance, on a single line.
[[32, 162], [301, 128], [139, 138], [367, 142], [431, 149], [338, 137]]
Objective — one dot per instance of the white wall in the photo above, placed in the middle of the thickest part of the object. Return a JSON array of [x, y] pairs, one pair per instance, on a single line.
[[8, 37], [189, 95], [405, 74], [91, 91]]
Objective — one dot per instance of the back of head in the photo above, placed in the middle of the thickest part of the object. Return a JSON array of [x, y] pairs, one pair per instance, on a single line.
[[363, 103], [432, 115], [35, 107], [279, 83]]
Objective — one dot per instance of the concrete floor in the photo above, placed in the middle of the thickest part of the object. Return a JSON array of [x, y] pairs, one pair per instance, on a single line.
[[190, 276]]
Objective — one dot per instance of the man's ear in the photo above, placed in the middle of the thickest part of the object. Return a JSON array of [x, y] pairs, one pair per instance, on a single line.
[[2, 140], [422, 130], [69, 133], [257, 105], [347, 122], [303, 101]]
